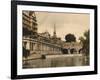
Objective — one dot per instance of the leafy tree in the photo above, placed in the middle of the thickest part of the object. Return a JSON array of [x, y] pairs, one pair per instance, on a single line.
[[70, 38], [85, 41]]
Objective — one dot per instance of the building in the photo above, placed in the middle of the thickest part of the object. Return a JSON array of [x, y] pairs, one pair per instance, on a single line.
[[44, 43]]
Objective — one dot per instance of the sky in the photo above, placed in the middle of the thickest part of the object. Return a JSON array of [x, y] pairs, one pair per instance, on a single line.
[[74, 23]]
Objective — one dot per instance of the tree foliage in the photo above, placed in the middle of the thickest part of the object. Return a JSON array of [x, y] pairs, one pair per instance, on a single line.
[[85, 41], [70, 38]]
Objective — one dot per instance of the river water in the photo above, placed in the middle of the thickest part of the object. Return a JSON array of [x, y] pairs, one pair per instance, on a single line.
[[56, 61]]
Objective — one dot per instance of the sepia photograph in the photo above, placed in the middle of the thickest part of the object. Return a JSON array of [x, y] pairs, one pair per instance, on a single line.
[[55, 39]]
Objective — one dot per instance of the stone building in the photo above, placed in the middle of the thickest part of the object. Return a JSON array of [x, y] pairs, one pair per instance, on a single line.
[[43, 43]]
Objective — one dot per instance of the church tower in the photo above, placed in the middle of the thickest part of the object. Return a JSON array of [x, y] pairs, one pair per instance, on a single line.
[[54, 33]]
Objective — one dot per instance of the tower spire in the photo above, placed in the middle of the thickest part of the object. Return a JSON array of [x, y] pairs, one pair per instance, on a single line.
[[54, 33]]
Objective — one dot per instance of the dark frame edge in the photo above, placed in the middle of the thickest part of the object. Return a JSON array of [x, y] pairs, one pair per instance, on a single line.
[[13, 40], [53, 4], [56, 75], [96, 39]]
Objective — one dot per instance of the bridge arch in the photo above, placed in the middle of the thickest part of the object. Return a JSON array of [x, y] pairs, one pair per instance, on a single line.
[[73, 50]]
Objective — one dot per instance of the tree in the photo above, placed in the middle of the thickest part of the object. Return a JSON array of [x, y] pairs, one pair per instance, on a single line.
[[70, 38], [85, 41]]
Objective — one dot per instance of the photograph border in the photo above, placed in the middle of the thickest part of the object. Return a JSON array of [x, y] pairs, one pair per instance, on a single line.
[[14, 31]]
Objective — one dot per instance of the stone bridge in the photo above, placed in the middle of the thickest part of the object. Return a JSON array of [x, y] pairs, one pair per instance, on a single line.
[[73, 47]]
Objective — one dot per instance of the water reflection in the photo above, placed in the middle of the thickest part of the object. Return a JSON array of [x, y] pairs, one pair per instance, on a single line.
[[55, 61]]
